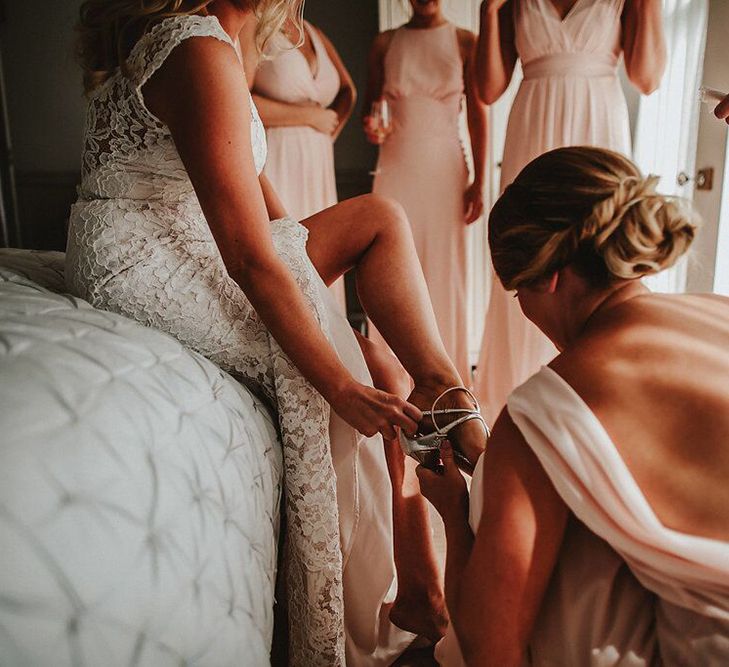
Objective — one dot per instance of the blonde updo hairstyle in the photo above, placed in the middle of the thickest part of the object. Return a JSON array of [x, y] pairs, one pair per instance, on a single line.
[[591, 209], [109, 29]]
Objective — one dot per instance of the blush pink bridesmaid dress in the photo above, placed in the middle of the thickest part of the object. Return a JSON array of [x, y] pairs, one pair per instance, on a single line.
[[570, 95], [422, 166], [626, 591], [300, 159]]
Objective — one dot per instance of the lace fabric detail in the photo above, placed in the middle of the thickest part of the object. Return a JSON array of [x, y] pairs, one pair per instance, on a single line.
[[139, 245], [128, 152]]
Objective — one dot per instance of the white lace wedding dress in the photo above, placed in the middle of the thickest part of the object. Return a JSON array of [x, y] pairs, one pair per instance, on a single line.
[[139, 245]]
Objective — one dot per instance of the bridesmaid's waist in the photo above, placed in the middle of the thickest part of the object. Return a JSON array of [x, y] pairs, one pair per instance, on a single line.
[[571, 65], [423, 105], [421, 114]]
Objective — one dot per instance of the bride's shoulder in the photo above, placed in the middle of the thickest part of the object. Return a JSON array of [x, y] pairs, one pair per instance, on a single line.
[[162, 37]]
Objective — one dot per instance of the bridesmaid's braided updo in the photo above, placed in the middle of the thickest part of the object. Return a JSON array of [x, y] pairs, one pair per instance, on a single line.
[[591, 209]]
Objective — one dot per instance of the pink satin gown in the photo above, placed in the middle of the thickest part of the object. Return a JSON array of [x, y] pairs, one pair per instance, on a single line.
[[300, 162], [422, 166], [570, 96]]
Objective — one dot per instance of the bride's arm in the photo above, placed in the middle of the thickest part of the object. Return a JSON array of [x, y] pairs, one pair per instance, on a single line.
[[495, 584], [200, 93]]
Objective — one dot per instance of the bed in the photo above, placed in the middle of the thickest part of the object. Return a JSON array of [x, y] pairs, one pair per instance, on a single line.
[[139, 490]]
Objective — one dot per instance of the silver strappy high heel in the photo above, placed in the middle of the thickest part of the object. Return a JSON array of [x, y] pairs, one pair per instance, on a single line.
[[425, 447]]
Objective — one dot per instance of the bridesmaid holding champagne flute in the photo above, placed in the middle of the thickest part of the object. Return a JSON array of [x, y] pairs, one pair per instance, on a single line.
[[377, 124], [418, 83]]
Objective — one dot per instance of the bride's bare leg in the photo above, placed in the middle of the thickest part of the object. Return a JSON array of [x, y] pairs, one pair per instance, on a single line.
[[372, 235], [420, 605]]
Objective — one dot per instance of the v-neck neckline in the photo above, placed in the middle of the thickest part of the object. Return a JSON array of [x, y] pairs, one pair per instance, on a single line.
[[316, 68], [555, 12]]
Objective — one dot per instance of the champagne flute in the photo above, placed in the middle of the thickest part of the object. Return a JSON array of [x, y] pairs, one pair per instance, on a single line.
[[380, 123], [711, 96]]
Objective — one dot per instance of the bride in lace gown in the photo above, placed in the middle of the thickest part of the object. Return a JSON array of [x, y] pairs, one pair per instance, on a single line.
[[176, 228]]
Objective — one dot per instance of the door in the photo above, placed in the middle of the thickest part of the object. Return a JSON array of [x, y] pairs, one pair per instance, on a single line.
[[708, 268]]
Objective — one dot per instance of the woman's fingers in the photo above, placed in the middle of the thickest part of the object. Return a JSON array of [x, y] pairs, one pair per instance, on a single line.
[[412, 411], [425, 476], [397, 416], [722, 109], [446, 456]]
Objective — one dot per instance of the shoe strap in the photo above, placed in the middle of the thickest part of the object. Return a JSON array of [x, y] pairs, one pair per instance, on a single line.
[[443, 432], [476, 412], [448, 411], [452, 389]]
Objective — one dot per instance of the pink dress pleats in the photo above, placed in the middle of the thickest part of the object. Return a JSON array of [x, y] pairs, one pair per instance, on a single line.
[[300, 162], [570, 96], [422, 166]]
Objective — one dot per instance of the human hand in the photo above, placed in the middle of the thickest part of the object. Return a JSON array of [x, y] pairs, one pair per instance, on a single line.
[[374, 131], [373, 411], [323, 120], [473, 203], [446, 488], [492, 6], [722, 110]]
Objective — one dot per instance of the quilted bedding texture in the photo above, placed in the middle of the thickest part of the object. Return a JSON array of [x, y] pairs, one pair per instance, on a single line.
[[139, 490]]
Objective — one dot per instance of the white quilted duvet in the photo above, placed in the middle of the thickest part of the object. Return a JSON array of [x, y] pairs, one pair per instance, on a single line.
[[139, 490]]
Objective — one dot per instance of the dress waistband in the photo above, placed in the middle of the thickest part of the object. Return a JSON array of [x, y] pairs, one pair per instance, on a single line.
[[571, 64]]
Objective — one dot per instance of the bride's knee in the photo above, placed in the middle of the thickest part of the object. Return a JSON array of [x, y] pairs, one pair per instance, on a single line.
[[386, 211]]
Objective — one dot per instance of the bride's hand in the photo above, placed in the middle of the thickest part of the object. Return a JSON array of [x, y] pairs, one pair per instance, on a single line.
[[373, 411], [323, 120]]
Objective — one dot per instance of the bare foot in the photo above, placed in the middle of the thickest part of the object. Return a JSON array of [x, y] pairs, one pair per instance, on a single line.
[[425, 615], [469, 438]]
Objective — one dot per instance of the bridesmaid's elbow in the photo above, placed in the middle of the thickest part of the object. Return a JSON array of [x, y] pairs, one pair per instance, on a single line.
[[489, 93], [646, 82], [647, 77]]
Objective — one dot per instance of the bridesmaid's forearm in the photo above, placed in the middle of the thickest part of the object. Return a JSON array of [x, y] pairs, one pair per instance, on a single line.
[[459, 541], [274, 113], [478, 131], [344, 106], [644, 44], [491, 74]]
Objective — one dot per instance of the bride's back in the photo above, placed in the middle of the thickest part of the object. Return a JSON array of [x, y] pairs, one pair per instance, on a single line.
[[655, 371]]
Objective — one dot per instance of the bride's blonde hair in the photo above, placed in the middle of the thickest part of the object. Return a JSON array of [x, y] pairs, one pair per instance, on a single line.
[[109, 29], [591, 209]]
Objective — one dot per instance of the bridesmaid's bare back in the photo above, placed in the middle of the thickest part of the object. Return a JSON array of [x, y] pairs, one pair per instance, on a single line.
[[655, 371]]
